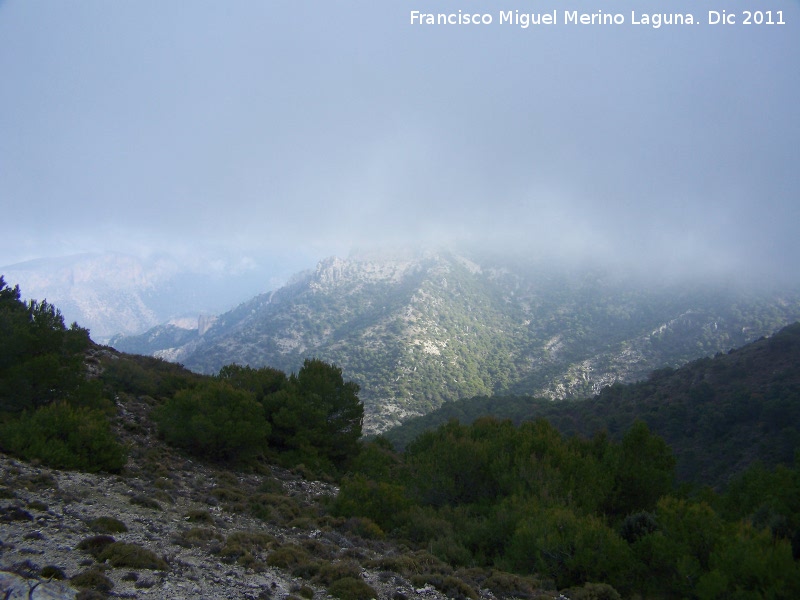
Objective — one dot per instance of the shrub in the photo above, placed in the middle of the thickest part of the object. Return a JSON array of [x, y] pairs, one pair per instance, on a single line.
[[64, 437], [196, 536], [595, 591], [307, 570], [288, 556], [241, 544], [107, 525], [92, 580], [637, 525], [14, 513], [451, 551], [450, 586], [384, 503], [123, 554], [559, 544], [145, 501], [38, 482], [364, 527], [412, 563], [351, 588], [273, 508], [52, 572], [95, 544], [214, 420], [508, 585], [330, 572], [228, 494], [305, 592], [199, 516]]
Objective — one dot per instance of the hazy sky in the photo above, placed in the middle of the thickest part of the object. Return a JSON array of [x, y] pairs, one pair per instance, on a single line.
[[305, 127]]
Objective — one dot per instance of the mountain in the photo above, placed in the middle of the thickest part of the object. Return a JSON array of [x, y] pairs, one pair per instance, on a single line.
[[719, 415], [115, 293], [419, 329]]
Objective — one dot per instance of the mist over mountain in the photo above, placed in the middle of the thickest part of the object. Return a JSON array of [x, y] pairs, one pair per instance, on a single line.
[[418, 329]]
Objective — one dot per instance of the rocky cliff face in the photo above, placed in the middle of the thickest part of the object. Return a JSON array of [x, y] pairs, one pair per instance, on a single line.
[[417, 330]]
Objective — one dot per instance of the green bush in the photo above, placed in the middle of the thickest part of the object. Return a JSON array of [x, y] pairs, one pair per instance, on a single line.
[[107, 525], [64, 437], [214, 420], [145, 502], [123, 554], [383, 503], [92, 580], [52, 572], [363, 527], [411, 563], [273, 508], [333, 571], [199, 516], [351, 588], [637, 525], [450, 586], [558, 543], [196, 536], [595, 591], [242, 545], [41, 360], [508, 585], [96, 544], [288, 557]]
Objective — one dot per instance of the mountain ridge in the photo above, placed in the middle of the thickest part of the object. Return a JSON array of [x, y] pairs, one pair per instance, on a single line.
[[421, 329]]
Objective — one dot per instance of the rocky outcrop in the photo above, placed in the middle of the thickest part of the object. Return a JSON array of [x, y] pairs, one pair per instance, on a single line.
[[16, 587]]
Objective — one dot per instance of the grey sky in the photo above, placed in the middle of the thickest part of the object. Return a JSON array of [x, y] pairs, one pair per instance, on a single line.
[[257, 128]]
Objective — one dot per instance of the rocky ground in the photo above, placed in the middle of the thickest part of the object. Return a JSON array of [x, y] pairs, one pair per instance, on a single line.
[[191, 530]]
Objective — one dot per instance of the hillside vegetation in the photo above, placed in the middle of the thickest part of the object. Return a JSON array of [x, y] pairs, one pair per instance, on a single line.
[[489, 509], [718, 414], [419, 330]]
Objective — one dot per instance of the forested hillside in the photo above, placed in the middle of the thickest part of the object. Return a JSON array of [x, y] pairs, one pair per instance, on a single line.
[[718, 414], [418, 330], [488, 509], [60, 394]]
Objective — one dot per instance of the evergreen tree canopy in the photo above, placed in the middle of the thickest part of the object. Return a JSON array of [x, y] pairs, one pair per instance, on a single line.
[[49, 410], [314, 416], [41, 360]]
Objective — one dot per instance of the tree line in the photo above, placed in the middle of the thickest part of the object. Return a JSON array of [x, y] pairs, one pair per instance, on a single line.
[[529, 500]]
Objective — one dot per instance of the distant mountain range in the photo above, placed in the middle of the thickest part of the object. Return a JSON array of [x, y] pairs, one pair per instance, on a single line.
[[420, 329], [114, 293]]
